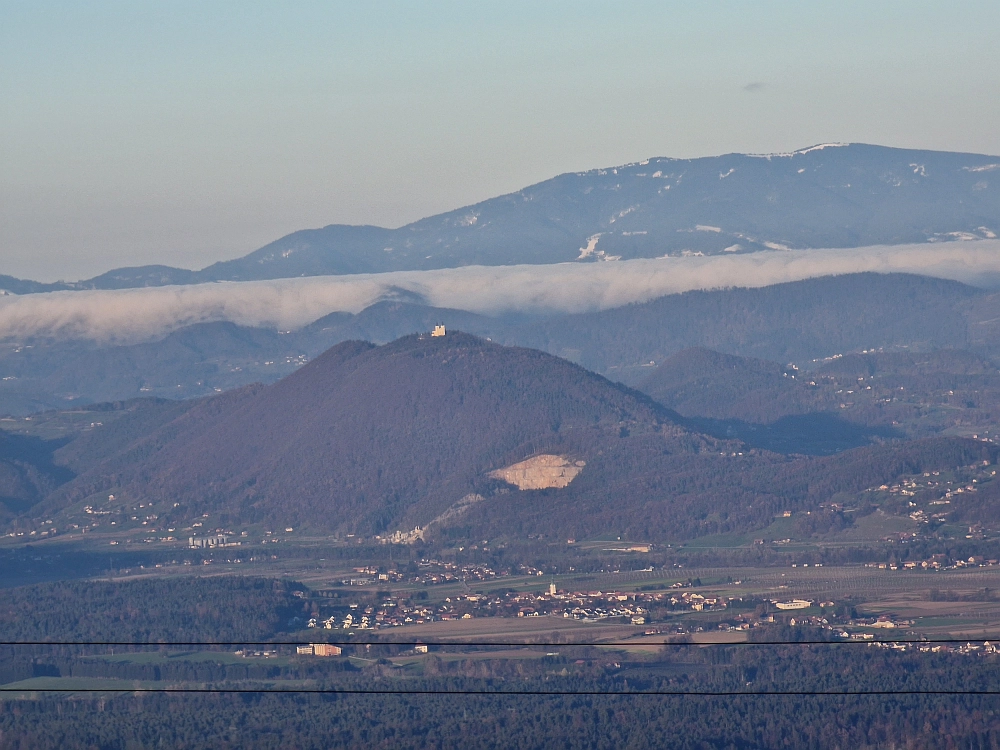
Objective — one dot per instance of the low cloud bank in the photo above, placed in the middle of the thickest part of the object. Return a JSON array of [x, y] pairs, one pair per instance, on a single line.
[[133, 315]]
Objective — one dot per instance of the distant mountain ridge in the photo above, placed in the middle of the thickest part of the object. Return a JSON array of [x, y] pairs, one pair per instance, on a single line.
[[834, 195]]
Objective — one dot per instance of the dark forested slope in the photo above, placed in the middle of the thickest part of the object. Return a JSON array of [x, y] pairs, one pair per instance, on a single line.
[[27, 472], [147, 610], [793, 322], [366, 436], [369, 439], [842, 402], [701, 382], [644, 493]]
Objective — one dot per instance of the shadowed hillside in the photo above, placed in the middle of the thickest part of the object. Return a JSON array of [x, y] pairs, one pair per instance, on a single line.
[[370, 439], [843, 402], [794, 322], [27, 472], [701, 382], [365, 436]]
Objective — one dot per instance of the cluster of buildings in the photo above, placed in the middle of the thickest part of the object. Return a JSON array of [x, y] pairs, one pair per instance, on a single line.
[[369, 575], [884, 622], [590, 606], [265, 653], [936, 562], [402, 537], [631, 606], [211, 542], [578, 605], [966, 649], [389, 613], [636, 608], [430, 573], [931, 485]]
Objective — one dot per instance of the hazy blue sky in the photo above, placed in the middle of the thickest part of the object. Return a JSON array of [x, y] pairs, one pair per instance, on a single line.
[[188, 132]]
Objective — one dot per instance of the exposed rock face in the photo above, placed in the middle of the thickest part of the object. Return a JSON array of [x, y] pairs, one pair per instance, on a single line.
[[540, 472], [457, 509]]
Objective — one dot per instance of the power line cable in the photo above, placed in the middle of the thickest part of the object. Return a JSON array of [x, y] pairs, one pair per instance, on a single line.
[[507, 644], [390, 691]]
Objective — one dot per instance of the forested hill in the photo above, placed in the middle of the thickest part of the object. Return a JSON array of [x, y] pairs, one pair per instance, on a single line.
[[794, 322], [704, 383], [371, 439], [27, 472], [364, 436], [838, 403], [826, 196]]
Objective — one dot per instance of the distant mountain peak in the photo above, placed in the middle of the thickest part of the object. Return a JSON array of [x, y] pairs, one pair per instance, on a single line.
[[827, 195]]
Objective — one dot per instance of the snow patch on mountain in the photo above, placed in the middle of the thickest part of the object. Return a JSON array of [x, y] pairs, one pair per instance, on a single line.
[[800, 152], [588, 250]]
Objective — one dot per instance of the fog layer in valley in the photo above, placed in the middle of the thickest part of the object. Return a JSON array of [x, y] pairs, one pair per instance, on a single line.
[[134, 315]]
